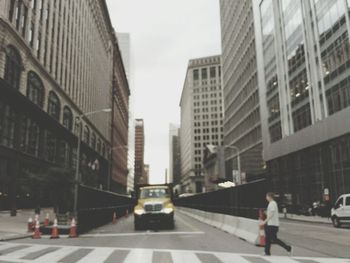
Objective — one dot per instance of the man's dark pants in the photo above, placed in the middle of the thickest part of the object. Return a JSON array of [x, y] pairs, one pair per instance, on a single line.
[[271, 238]]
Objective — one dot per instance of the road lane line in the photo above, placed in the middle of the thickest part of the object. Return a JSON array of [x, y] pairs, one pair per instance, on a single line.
[[97, 255], [144, 234], [139, 255], [184, 257], [231, 258], [192, 227]]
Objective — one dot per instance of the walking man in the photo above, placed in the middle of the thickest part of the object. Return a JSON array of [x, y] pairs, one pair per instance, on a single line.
[[271, 224]]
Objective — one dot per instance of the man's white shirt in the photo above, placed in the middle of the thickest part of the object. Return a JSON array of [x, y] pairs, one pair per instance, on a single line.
[[272, 213]]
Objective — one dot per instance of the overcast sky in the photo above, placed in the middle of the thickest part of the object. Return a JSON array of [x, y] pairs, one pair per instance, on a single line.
[[165, 34]]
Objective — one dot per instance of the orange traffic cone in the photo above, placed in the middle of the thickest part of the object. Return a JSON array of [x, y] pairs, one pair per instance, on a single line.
[[114, 220], [30, 225], [262, 240], [36, 218], [47, 220], [73, 229], [37, 233], [54, 232]]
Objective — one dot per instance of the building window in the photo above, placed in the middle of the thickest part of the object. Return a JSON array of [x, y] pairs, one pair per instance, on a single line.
[[86, 137], [204, 73], [93, 141], [51, 147], [99, 145], [67, 118], [35, 89], [13, 67], [212, 72], [195, 74], [54, 106], [103, 149], [7, 125], [30, 136]]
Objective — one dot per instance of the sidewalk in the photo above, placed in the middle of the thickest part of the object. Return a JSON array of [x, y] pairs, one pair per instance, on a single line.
[[310, 219], [16, 227]]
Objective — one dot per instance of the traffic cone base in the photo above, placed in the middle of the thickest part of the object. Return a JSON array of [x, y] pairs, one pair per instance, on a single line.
[[37, 234], [54, 232], [114, 220], [30, 225], [47, 220], [73, 229]]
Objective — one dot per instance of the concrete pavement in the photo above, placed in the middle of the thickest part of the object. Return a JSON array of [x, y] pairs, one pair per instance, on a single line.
[[15, 227], [191, 241]]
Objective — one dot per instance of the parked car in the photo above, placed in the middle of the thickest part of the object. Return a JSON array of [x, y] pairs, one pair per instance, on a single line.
[[341, 211], [322, 209]]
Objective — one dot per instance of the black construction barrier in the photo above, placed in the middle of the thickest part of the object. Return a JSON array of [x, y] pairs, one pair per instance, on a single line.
[[96, 207], [243, 200]]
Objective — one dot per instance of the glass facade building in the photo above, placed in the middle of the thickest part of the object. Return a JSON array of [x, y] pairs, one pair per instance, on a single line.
[[303, 58]]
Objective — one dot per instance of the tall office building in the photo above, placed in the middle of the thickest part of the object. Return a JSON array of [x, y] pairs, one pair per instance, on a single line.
[[201, 119], [139, 151], [304, 65], [242, 126], [125, 48], [56, 63], [124, 45], [146, 174], [120, 124], [174, 155]]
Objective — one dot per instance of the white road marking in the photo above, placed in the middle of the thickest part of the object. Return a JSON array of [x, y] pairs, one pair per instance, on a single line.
[[23, 252], [145, 234], [229, 258], [184, 257], [100, 254], [55, 256], [279, 259], [97, 255], [139, 255]]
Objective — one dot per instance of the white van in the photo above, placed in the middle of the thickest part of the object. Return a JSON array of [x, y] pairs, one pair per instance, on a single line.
[[341, 210]]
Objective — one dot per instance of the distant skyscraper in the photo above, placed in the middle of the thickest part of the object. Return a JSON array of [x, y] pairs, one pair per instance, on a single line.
[[146, 173], [201, 118], [139, 151], [174, 154], [240, 85]]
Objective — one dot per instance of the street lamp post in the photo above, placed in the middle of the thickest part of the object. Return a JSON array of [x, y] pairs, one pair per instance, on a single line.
[[238, 161], [77, 166], [212, 148]]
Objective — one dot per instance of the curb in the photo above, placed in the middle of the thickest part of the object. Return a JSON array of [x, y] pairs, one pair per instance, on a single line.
[[15, 237], [305, 221]]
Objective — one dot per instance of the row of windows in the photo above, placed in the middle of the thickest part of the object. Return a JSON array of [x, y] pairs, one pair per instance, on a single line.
[[206, 123], [21, 132], [204, 73], [206, 103], [206, 89], [36, 93]]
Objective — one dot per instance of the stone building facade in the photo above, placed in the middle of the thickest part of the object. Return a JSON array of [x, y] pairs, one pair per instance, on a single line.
[[201, 119], [56, 63]]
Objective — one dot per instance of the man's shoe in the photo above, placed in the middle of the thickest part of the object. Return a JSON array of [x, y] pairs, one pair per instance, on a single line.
[[290, 251], [266, 255]]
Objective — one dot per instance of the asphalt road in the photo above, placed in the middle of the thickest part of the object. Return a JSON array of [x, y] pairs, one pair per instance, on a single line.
[[191, 241]]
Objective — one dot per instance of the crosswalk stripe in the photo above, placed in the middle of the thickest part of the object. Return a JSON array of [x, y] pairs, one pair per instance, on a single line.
[[23, 252], [7, 246], [184, 257], [139, 255], [57, 255], [273, 259], [97, 255], [328, 260], [230, 258], [12, 249]]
